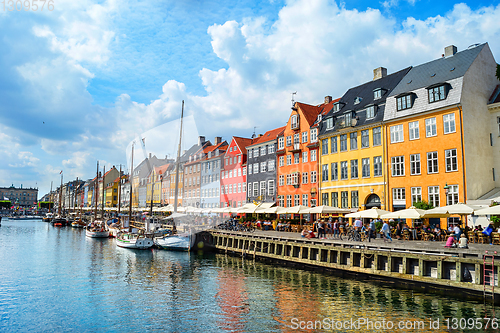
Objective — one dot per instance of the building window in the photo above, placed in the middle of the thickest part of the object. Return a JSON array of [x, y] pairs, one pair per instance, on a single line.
[[263, 166], [333, 143], [281, 200], [348, 119], [344, 197], [324, 172], [304, 137], [239, 187], [255, 189], [305, 177], [437, 94], [416, 195], [314, 134], [377, 93], [250, 169], [313, 155], [263, 151], [343, 142], [449, 123], [296, 158], [415, 164], [296, 199], [397, 134], [281, 181], [324, 199], [377, 166], [324, 147], [343, 170], [270, 187], [335, 171], [250, 153], [281, 143], [244, 172], [304, 157], [398, 166], [404, 102], [451, 160], [335, 199], [365, 162], [289, 159], [262, 189], [336, 107], [270, 148], [413, 130], [354, 199], [294, 121], [430, 127], [398, 194], [270, 165], [434, 195], [289, 200], [354, 140], [281, 161], [365, 139], [329, 123], [354, 169], [370, 112], [432, 162], [305, 200], [296, 139], [452, 197], [313, 177], [289, 141], [377, 136]]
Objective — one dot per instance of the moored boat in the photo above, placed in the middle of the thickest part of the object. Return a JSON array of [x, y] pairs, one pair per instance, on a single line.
[[134, 241], [59, 221], [176, 242], [48, 217], [78, 224], [97, 229]]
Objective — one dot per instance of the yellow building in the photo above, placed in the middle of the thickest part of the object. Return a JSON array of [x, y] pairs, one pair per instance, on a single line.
[[352, 145]]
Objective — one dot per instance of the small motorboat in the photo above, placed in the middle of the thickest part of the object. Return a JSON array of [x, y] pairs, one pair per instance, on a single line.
[[59, 221], [131, 240], [97, 229], [78, 224]]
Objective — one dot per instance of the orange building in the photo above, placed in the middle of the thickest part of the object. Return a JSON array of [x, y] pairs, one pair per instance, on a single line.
[[298, 155]]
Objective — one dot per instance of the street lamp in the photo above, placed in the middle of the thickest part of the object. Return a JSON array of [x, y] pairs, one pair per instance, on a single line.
[[446, 191]]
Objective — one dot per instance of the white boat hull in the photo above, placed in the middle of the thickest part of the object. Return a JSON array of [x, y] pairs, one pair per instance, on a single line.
[[182, 242], [134, 242], [97, 234]]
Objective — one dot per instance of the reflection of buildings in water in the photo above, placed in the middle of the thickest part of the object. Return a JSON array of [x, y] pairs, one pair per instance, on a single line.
[[308, 295], [232, 300]]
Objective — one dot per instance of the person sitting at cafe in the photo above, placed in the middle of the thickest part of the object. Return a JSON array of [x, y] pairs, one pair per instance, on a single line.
[[457, 232], [304, 232]]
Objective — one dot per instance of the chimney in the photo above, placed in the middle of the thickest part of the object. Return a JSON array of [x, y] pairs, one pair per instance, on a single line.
[[201, 140], [328, 99], [450, 50], [379, 73], [218, 140]]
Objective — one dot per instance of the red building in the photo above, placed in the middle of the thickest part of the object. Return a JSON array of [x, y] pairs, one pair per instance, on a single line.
[[233, 177], [298, 155]]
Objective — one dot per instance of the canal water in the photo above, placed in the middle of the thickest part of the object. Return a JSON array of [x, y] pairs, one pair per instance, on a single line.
[[57, 280]]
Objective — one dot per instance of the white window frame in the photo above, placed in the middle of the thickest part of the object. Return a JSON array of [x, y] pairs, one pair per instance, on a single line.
[[270, 187], [281, 160], [449, 123], [397, 133], [304, 157], [304, 137], [430, 127], [416, 195], [398, 166], [305, 178], [281, 143], [451, 160], [413, 130], [433, 195], [432, 161], [415, 164]]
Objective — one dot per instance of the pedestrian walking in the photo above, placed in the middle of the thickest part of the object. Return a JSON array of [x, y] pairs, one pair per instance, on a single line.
[[386, 231]]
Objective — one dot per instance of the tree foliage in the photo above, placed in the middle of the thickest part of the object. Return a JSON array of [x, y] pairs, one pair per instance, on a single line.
[[423, 205]]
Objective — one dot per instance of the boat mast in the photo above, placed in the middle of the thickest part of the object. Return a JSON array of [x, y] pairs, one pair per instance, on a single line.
[[103, 196], [131, 187], [120, 191], [177, 166], [96, 191], [51, 197], [60, 195]]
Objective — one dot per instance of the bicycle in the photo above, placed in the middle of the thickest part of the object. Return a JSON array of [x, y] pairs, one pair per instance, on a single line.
[[353, 235]]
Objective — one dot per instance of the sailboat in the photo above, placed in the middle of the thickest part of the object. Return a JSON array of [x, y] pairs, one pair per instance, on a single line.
[[131, 240], [97, 228], [59, 220], [176, 241]]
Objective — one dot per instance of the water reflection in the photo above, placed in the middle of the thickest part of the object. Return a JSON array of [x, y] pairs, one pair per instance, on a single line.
[[65, 281]]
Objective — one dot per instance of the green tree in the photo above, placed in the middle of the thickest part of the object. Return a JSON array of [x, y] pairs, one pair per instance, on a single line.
[[423, 205]]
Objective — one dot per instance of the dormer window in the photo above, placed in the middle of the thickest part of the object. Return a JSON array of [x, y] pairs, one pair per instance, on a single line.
[[209, 154], [357, 100], [404, 102], [437, 92], [329, 123], [319, 118], [249, 153], [217, 152], [348, 119], [370, 112], [336, 107], [377, 93]]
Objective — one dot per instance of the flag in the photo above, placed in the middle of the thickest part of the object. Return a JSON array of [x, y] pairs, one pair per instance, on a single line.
[[60, 172]]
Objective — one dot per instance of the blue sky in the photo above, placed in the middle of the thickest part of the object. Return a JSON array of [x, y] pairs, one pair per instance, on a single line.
[[78, 83]]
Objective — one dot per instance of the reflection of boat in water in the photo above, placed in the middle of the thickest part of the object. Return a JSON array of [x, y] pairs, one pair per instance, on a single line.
[[97, 229], [59, 221], [0, 221], [133, 241]]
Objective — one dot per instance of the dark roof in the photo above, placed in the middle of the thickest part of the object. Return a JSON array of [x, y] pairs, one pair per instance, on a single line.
[[438, 71], [495, 97], [366, 94]]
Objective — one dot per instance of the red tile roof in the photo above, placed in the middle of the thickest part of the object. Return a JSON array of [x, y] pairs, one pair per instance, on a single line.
[[269, 135], [243, 143], [311, 112]]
